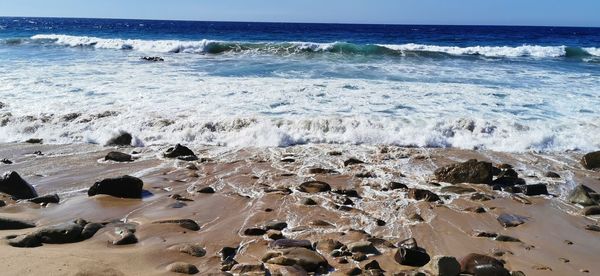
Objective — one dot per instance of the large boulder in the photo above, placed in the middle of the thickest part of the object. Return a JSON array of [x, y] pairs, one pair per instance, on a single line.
[[472, 171], [411, 257], [121, 139], [444, 266], [591, 160], [478, 264], [124, 187], [12, 183], [582, 195]]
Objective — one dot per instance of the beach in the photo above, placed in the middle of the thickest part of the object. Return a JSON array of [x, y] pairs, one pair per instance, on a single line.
[[369, 200]]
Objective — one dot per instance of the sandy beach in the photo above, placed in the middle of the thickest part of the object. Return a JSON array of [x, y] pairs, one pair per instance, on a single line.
[[311, 209]]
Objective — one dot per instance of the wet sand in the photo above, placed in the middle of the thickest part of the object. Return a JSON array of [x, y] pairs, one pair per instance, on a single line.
[[251, 189]]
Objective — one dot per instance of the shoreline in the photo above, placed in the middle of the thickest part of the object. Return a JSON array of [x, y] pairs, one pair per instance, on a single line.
[[247, 182]]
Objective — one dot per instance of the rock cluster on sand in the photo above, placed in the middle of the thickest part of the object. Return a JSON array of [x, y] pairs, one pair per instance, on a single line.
[[68, 232], [124, 187]]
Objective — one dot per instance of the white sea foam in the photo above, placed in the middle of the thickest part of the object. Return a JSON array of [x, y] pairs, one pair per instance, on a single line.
[[592, 51], [487, 51]]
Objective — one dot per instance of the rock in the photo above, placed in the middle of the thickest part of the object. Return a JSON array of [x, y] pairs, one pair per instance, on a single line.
[[476, 209], [25, 241], [118, 157], [472, 171], [248, 269], [69, 232], [534, 190], [46, 199], [121, 139], [276, 225], [483, 234], [582, 195], [592, 227], [308, 201], [490, 270], [289, 243], [254, 232], [469, 263], [419, 194], [321, 171], [328, 245], [192, 249], [354, 271], [228, 253], [314, 187], [457, 189], [359, 256], [34, 141], [365, 247], [372, 265], [180, 152], [335, 153], [352, 161], [591, 211], [309, 260], [90, 229], [444, 266], [591, 160], [510, 220], [207, 190], [11, 183], [125, 237], [321, 223], [288, 160], [124, 187], [551, 175], [2, 203], [183, 223], [347, 192], [152, 59], [275, 235], [505, 238], [183, 268], [481, 197], [2, 105], [6, 161], [397, 186], [411, 257], [14, 224]]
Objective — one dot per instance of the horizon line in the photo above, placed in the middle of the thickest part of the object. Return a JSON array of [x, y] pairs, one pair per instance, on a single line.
[[299, 22]]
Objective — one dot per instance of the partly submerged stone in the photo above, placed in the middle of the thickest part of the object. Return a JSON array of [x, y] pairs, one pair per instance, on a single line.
[[591, 160], [582, 195], [314, 187], [472, 171], [11, 183], [124, 187], [121, 139], [118, 157], [180, 152]]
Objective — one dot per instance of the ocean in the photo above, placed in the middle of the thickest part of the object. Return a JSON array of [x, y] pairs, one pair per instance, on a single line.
[[513, 89]]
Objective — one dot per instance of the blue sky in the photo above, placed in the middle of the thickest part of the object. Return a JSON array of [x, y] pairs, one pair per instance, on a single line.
[[475, 12]]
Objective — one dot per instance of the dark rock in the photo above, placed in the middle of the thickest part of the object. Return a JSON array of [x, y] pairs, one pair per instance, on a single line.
[[207, 190], [254, 232], [121, 139], [380, 222], [365, 174], [469, 263], [308, 201], [125, 237], [372, 265], [582, 195], [288, 243], [348, 193], [276, 225], [476, 209], [472, 171], [444, 266], [328, 245], [354, 271], [69, 232], [309, 260], [90, 229], [11, 183], [397, 186], [591, 160], [228, 253], [457, 189], [510, 220], [180, 152], [321, 171], [481, 197], [288, 160], [334, 153], [365, 247], [2, 203], [534, 190], [34, 141], [505, 238], [490, 270], [411, 257], [118, 157], [14, 224], [419, 194], [25, 241], [314, 187], [6, 161], [507, 181], [183, 268], [124, 187], [592, 227], [320, 223], [591, 211], [2, 105], [46, 199], [275, 235], [192, 249], [359, 256], [552, 175], [152, 59], [184, 223], [352, 161], [483, 234]]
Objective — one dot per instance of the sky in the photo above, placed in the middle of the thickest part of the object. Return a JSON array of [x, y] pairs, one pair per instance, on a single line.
[[453, 12]]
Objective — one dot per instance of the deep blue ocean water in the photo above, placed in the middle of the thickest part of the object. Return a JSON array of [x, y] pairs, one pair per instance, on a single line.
[[277, 84]]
